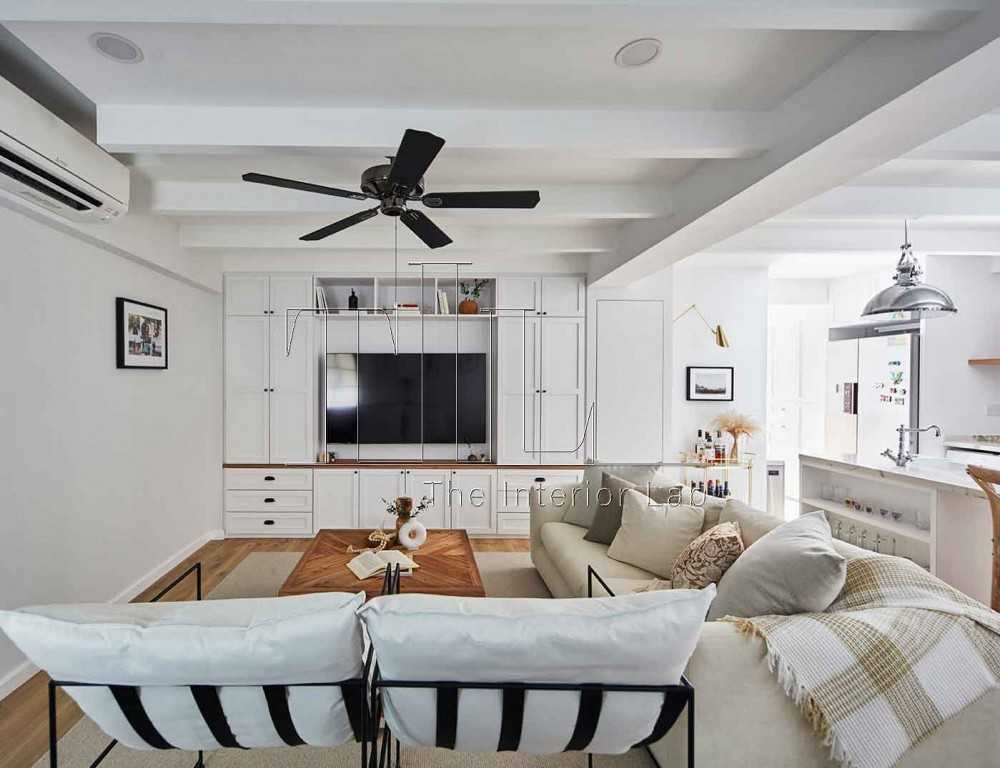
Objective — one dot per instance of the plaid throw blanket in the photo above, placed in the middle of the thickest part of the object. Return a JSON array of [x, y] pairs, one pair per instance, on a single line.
[[897, 654]]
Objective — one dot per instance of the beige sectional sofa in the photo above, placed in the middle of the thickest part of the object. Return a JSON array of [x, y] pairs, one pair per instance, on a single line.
[[743, 715]]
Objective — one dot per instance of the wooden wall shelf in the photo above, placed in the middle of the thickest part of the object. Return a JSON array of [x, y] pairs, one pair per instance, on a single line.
[[984, 361]]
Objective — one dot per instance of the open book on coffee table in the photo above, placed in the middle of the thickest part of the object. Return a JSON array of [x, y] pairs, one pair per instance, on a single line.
[[368, 564]]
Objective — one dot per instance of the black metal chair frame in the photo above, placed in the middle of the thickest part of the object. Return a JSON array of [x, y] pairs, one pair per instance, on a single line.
[[675, 699], [207, 699]]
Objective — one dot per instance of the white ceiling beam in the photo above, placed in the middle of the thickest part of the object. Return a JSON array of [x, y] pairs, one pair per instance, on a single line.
[[978, 139], [609, 133], [377, 234], [186, 198], [865, 203], [773, 239], [887, 15], [883, 99]]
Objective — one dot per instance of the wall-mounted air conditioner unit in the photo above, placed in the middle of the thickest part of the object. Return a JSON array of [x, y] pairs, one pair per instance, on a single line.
[[46, 162]]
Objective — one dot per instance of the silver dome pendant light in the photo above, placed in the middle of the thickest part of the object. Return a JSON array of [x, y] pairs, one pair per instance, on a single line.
[[909, 293]]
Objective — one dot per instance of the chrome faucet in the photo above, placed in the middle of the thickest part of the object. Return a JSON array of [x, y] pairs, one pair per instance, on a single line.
[[902, 457]]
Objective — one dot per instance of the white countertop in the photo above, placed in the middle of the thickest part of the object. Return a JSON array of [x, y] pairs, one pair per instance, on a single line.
[[969, 443], [940, 473]]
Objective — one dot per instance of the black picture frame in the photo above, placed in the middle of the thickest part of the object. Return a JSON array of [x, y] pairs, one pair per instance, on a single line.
[[694, 395], [126, 355]]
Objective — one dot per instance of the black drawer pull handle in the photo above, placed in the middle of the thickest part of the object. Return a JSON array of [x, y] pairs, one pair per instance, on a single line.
[[269, 501], [539, 479], [269, 522], [269, 478]]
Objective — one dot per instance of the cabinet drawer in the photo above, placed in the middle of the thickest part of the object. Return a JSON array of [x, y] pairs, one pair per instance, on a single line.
[[268, 479], [513, 485], [269, 501], [513, 524], [258, 524]]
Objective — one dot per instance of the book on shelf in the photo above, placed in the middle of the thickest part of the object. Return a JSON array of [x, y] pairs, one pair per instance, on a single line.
[[321, 299], [443, 303], [368, 564]]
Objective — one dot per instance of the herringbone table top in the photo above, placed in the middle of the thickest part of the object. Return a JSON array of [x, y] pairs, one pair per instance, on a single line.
[[447, 566]]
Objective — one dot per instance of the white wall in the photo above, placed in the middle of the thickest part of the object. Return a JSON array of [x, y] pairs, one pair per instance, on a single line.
[[848, 295], [953, 393], [106, 474], [738, 299]]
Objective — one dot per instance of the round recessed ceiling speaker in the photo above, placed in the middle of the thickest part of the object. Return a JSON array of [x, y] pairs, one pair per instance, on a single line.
[[638, 52], [116, 47]]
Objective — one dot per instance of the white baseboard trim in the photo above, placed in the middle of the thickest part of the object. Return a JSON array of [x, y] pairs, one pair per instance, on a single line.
[[24, 671]]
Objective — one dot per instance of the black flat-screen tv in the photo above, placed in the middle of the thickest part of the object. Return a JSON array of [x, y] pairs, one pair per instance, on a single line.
[[375, 398]]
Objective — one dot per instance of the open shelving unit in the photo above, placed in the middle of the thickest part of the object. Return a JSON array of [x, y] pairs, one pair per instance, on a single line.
[[377, 294]]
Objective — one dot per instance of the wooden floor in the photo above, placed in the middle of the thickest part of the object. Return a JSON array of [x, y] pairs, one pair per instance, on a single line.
[[24, 722]]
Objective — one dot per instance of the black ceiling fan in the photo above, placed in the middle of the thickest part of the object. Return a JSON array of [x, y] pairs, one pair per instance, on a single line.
[[398, 182]]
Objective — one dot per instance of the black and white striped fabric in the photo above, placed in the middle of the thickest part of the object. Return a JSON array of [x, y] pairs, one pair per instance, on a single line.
[[641, 639], [209, 674]]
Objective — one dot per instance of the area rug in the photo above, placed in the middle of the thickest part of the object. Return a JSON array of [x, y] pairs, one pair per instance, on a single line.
[[261, 574]]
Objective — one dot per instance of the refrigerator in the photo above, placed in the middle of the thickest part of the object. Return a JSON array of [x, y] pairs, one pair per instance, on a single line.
[[873, 386]]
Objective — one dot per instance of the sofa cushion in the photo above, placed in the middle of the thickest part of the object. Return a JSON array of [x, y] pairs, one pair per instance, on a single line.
[[571, 554], [706, 559], [654, 481], [792, 569], [639, 638], [711, 504], [651, 535], [753, 523], [608, 518]]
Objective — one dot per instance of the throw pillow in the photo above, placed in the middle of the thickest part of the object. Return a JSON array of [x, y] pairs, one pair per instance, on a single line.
[[706, 559], [651, 535], [792, 569], [608, 518], [711, 504], [753, 523]]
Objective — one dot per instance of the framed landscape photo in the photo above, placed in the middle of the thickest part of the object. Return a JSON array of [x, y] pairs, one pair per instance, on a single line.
[[141, 334], [712, 383]]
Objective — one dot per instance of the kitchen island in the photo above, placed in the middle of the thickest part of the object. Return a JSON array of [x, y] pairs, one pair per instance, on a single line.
[[929, 511]]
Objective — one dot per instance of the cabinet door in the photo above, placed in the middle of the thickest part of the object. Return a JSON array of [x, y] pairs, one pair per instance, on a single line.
[[246, 406], [293, 399], [561, 417], [472, 501], [517, 441], [434, 485], [564, 296], [518, 293], [287, 291], [373, 486], [246, 295], [335, 498]]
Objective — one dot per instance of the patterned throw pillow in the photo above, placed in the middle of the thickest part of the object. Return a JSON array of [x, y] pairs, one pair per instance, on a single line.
[[706, 558]]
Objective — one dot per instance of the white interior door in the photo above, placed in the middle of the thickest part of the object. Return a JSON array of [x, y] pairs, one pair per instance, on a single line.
[[434, 485], [561, 405], [335, 498], [629, 388], [246, 370], [563, 296], [472, 501], [373, 486], [293, 401]]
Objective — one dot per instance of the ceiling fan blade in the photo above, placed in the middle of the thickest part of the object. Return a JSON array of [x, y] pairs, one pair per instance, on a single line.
[[416, 152], [521, 199], [304, 186], [425, 229], [337, 226]]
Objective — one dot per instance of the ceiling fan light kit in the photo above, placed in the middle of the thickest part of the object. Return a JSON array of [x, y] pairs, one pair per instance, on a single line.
[[398, 183]]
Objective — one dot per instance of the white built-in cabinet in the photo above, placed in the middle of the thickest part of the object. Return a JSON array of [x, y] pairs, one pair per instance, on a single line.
[[335, 498], [541, 404], [270, 396], [473, 501]]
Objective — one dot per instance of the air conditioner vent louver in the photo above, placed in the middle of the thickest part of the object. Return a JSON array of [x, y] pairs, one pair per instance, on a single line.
[[41, 188]]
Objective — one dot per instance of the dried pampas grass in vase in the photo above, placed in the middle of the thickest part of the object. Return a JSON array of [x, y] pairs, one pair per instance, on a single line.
[[736, 425]]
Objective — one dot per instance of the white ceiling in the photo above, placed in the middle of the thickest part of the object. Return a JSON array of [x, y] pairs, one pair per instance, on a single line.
[[231, 64], [751, 110]]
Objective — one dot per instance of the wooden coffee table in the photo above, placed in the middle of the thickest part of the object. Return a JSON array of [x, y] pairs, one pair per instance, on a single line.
[[447, 566]]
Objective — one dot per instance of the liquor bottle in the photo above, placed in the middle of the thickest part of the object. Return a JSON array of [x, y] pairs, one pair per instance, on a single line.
[[701, 486], [699, 445], [720, 447], [711, 488], [725, 490], [352, 300], [709, 451]]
